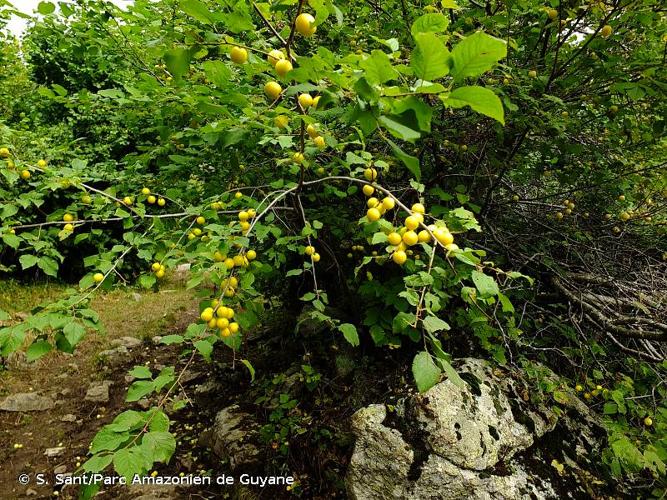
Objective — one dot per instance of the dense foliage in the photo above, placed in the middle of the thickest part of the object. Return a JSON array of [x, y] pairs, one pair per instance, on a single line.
[[438, 177]]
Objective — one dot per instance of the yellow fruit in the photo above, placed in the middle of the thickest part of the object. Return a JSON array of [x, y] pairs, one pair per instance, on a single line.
[[222, 323], [283, 67], [559, 215], [161, 202], [373, 214], [127, 200], [372, 202], [68, 217], [305, 100], [98, 277], [419, 208], [578, 388], [239, 55], [251, 255], [145, 191], [464, 148], [552, 13], [606, 30], [394, 239], [4, 153], [648, 421], [155, 267], [319, 142], [424, 236], [388, 203], [68, 227], [151, 199], [240, 261], [243, 215], [238, 195], [624, 216], [410, 238], [41, 163], [451, 247], [274, 56], [412, 222], [532, 73], [298, 157], [234, 327], [316, 257], [201, 221], [25, 175], [160, 274], [312, 131], [370, 174], [368, 190], [316, 101], [229, 263], [621, 197], [207, 314], [245, 226], [251, 212], [399, 257], [443, 236], [305, 24], [273, 90], [212, 323], [310, 250], [281, 121], [506, 81]]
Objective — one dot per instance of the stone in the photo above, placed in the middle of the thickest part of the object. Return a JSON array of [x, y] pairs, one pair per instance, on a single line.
[[232, 436], [61, 469], [31, 493], [136, 296], [128, 342], [114, 356], [98, 392], [152, 492], [54, 452], [68, 418], [157, 339], [467, 441], [28, 401]]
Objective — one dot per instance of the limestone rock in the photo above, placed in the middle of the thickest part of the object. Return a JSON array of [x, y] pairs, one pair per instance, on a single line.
[[54, 452], [128, 342], [98, 392], [29, 401], [231, 437]]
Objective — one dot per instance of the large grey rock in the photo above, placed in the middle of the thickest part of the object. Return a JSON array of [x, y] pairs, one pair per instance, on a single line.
[[459, 442], [98, 392], [232, 437], [29, 401], [128, 342], [114, 356], [54, 452]]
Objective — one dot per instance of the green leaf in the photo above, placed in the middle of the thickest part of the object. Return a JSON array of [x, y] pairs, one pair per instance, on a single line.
[[250, 368], [429, 59], [141, 371], [74, 332], [425, 371], [434, 324], [28, 260], [130, 461], [107, 439], [139, 389], [46, 8], [476, 54], [97, 463], [480, 99], [11, 240], [411, 162], [350, 333], [37, 350], [161, 445], [398, 129], [217, 72], [172, 339], [147, 280], [48, 265], [205, 348], [486, 285], [177, 61], [430, 23], [198, 10], [378, 68]]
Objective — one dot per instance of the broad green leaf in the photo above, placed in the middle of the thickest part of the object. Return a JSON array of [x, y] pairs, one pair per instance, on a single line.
[[411, 162], [107, 439], [486, 285], [476, 54], [141, 371], [398, 129], [429, 59], [378, 68], [430, 23], [28, 260], [161, 445], [178, 63], [37, 350], [198, 10], [434, 324], [480, 99], [250, 368], [97, 463], [130, 461], [350, 333], [46, 8], [48, 265], [74, 332], [139, 389], [425, 371], [205, 348]]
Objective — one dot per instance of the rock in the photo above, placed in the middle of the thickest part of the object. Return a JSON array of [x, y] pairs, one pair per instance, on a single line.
[[144, 403], [61, 469], [98, 392], [28, 401], [30, 492], [208, 387], [152, 492], [464, 442], [231, 437], [16, 360], [68, 418], [114, 356], [54, 452], [157, 339], [65, 392], [128, 342], [136, 296]]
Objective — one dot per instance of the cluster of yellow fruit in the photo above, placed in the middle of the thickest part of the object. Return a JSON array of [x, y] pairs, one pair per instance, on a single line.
[[407, 236], [569, 206], [69, 227], [236, 261], [151, 199], [595, 392], [312, 253], [318, 140], [219, 316], [158, 269], [25, 174]]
